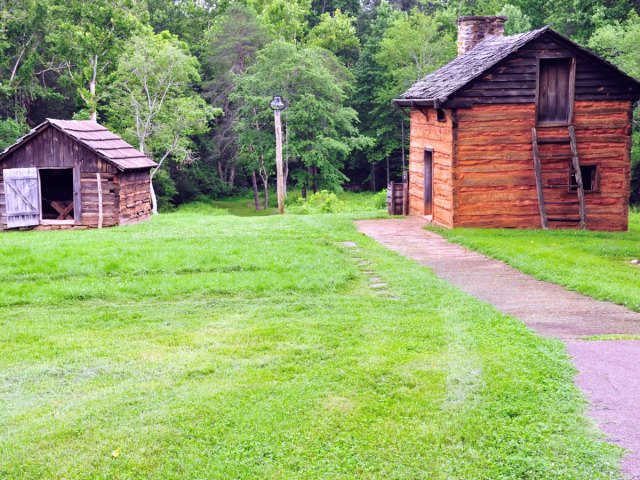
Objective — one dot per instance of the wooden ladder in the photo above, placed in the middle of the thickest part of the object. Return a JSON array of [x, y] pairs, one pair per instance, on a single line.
[[540, 186]]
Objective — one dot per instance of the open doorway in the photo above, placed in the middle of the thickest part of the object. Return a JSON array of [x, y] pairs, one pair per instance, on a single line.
[[428, 182], [56, 192]]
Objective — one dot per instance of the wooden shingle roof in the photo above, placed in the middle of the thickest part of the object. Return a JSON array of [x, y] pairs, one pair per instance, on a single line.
[[439, 86], [96, 138]]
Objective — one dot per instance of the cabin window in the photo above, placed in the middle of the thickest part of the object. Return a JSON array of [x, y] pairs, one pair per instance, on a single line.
[[440, 115], [56, 193], [589, 178], [555, 90]]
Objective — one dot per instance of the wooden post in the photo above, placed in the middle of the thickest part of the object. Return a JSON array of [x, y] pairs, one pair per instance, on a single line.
[[279, 169], [578, 175], [538, 172], [100, 215]]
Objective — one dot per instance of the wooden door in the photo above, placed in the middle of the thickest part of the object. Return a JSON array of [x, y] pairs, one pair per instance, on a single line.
[[555, 90], [428, 182], [22, 197]]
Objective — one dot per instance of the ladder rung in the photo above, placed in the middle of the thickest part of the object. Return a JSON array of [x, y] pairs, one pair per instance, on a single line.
[[556, 219], [557, 186], [555, 155], [554, 140], [574, 202]]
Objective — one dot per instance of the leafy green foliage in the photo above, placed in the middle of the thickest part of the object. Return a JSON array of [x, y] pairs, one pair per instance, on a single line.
[[517, 22], [152, 103], [618, 42], [319, 202], [336, 33], [10, 131], [322, 130]]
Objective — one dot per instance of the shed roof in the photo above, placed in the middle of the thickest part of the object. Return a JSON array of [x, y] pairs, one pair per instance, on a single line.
[[96, 138], [437, 87]]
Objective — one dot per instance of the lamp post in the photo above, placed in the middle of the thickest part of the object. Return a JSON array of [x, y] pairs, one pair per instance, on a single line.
[[277, 105]]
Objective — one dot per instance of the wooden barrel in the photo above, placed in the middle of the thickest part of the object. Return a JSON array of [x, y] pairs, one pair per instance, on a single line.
[[396, 198]]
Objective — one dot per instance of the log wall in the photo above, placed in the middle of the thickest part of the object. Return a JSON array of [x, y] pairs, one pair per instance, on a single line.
[[428, 132], [494, 178], [135, 200]]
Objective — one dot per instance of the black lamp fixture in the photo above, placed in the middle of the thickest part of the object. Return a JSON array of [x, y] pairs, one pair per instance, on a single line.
[[277, 103]]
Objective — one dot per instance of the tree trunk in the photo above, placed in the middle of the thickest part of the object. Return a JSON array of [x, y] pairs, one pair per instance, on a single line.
[[388, 176], [304, 190], [92, 92], [373, 177], [154, 200], [220, 172], [256, 195], [232, 175], [266, 195], [315, 179]]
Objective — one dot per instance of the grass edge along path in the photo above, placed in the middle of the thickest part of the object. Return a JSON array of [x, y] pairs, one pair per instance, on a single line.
[[595, 264], [280, 361]]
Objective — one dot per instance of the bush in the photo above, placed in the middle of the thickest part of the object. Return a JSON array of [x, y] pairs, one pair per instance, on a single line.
[[320, 202], [380, 199]]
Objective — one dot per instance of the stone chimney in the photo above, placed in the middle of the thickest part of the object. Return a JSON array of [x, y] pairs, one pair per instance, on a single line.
[[472, 30]]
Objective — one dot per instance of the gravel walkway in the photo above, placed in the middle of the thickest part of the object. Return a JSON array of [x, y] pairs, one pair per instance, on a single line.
[[609, 371]]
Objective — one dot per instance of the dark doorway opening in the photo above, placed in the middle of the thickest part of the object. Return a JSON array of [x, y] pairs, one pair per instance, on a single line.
[[428, 182], [56, 191]]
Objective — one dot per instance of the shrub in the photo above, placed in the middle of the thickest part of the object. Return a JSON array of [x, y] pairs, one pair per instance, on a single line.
[[320, 202], [380, 199]]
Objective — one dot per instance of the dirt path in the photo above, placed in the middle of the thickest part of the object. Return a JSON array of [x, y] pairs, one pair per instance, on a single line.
[[609, 371]]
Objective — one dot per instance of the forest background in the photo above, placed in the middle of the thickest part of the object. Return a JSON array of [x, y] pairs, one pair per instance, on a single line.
[[189, 82]]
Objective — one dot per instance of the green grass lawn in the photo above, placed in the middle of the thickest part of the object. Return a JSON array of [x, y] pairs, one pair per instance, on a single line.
[[209, 346], [596, 264]]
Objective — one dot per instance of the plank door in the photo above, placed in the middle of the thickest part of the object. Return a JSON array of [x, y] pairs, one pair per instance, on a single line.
[[428, 182], [22, 197], [555, 90]]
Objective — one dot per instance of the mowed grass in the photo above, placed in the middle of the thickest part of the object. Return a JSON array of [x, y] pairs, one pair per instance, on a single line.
[[208, 346], [596, 264]]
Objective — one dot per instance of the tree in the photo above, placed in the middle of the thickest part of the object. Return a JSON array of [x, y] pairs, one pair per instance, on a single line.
[[86, 39], [231, 47], [25, 76], [337, 34], [187, 19], [152, 99], [412, 47], [321, 130], [518, 22], [401, 49], [618, 42], [285, 19]]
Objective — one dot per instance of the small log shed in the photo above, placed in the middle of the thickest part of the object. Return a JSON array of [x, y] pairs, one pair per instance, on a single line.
[[521, 131], [73, 174]]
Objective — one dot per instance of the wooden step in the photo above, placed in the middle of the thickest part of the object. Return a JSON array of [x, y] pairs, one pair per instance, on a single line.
[[558, 186], [556, 155], [559, 219], [571, 202]]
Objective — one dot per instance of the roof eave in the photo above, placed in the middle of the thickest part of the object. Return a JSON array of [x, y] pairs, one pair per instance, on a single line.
[[417, 102]]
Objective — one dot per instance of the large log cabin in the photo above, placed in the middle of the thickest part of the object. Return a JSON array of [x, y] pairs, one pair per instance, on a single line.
[[521, 131], [73, 174]]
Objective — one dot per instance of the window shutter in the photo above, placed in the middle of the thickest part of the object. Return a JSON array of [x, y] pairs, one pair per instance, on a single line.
[[22, 197]]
